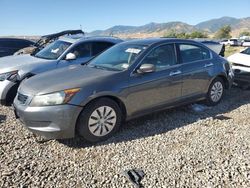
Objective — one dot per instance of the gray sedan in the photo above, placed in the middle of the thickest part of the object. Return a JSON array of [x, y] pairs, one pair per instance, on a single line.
[[128, 80]]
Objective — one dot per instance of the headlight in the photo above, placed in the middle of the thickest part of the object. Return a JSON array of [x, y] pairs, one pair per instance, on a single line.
[[56, 98], [230, 69], [11, 76]]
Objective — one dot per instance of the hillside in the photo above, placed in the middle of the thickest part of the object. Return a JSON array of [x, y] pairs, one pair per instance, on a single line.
[[159, 29]]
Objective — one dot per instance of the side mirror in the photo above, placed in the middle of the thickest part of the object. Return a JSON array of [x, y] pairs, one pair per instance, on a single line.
[[146, 68], [70, 56]]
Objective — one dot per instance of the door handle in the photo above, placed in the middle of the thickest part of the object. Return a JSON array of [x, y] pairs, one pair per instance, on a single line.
[[208, 65], [174, 73]]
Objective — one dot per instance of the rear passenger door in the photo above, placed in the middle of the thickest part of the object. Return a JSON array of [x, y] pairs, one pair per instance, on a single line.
[[196, 64]]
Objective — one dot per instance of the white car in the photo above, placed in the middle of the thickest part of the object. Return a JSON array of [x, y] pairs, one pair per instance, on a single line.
[[241, 68], [240, 61], [230, 42], [246, 43]]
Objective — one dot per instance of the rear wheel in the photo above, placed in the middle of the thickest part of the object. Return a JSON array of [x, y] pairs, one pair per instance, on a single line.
[[215, 92], [99, 120]]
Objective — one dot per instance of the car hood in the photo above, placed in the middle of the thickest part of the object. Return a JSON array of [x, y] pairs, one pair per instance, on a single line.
[[10, 63], [240, 58], [75, 76]]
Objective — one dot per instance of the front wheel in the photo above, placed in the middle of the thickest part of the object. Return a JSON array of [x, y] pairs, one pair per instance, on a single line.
[[215, 92], [99, 120]]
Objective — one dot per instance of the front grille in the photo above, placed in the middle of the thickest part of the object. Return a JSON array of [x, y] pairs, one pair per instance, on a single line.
[[22, 98]]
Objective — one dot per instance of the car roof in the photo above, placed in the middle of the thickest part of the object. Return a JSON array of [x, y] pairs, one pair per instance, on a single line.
[[77, 39], [151, 41]]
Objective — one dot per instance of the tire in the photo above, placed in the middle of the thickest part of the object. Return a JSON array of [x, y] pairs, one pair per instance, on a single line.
[[99, 120], [215, 92]]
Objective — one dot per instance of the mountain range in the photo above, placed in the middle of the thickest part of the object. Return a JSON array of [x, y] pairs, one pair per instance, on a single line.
[[160, 29]]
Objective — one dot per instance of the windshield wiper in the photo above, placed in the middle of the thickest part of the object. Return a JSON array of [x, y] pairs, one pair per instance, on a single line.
[[97, 67], [103, 68]]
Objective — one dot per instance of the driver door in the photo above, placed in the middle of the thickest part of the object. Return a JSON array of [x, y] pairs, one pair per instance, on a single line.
[[158, 88]]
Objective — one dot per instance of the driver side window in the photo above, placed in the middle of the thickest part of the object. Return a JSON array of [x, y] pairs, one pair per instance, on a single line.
[[162, 57], [82, 50]]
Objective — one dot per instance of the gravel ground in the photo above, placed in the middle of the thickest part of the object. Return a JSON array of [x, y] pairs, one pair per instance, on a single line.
[[175, 148]]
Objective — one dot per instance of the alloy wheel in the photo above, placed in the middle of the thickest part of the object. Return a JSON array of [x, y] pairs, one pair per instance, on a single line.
[[216, 91], [102, 121]]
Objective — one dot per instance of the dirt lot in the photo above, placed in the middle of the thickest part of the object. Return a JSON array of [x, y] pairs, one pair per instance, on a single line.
[[175, 148]]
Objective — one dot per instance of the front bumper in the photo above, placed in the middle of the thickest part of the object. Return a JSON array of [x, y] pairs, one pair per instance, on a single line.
[[51, 122], [5, 87], [242, 79], [240, 69], [241, 75]]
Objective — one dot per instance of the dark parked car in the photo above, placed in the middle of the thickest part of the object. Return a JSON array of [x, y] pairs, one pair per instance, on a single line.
[[128, 80], [8, 46]]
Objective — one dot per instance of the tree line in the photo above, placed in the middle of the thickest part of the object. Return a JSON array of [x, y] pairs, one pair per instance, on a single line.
[[222, 33]]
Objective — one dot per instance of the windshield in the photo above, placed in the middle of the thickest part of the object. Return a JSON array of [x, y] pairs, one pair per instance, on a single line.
[[53, 50], [118, 58], [246, 51]]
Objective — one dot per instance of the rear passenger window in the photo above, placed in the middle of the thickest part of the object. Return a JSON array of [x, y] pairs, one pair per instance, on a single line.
[[99, 47], [191, 53], [162, 57]]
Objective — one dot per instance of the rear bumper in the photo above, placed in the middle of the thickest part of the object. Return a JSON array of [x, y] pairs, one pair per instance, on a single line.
[[52, 122]]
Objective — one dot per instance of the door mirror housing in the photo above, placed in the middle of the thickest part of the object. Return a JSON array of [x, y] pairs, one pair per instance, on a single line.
[[146, 68], [70, 56]]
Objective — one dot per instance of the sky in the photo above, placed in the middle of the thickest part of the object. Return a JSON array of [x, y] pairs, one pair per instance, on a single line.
[[40, 17]]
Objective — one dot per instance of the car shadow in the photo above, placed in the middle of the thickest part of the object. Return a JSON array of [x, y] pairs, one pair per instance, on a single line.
[[2, 118], [167, 120]]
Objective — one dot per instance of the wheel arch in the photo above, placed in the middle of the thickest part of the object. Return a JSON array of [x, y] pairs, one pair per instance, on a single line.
[[10, 95], [119, 102], [223, 77]]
